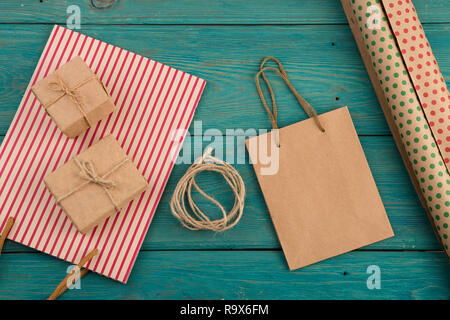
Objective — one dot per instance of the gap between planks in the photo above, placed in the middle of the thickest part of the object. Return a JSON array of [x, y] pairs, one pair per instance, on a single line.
[[237, 250]]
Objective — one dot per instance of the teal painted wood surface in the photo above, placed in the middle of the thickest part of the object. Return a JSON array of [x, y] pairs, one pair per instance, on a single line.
[[237, 275], [409, 221], [199, 11], [223, 42], [228, 57]]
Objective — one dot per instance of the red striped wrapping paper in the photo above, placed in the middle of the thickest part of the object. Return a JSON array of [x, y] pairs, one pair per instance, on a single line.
[[153, 101]]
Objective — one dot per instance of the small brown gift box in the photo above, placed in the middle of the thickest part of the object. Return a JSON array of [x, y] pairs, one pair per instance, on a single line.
[[74, 97], [95, 184]]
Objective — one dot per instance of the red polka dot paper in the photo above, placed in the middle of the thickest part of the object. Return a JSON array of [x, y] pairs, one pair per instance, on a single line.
[[393, 79], [423, 69]]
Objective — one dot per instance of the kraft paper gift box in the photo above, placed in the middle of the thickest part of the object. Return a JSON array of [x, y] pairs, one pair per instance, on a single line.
[[74, 97], [95, 184]]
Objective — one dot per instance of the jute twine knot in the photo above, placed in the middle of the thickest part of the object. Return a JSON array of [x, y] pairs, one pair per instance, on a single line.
[[73, 93], [5, 232], [87, 172], [199, 220]]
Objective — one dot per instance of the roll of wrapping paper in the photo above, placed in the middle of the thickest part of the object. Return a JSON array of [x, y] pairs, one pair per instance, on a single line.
[[403, 108]]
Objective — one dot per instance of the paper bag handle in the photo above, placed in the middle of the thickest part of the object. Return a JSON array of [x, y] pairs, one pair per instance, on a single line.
[[310, 111]]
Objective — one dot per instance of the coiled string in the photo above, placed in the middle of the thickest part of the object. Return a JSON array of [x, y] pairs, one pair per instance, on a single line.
[[198, 220]]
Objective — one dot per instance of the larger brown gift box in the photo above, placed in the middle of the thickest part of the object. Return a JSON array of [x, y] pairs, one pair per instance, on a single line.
[[87, 90], [90, 205]]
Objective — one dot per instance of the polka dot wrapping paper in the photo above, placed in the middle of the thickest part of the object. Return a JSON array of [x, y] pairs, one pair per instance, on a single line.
[[410, 85], [423, 69]]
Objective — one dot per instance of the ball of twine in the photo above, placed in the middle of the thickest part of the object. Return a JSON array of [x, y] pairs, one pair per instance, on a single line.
[[198, 220]]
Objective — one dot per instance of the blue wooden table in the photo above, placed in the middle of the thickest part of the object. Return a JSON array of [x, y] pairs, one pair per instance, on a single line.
[[223, 41]]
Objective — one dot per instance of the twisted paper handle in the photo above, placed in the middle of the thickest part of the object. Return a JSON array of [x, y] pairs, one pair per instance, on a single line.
[[6, 230]]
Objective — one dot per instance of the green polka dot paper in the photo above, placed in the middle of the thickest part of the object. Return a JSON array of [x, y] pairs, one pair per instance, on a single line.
[[415, 133]]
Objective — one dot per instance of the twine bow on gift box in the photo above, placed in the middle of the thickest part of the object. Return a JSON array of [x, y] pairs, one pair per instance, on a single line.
[[73, 93], [88, 172], [199, 220]]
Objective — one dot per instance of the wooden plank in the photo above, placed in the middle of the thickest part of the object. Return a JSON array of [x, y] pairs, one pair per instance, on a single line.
[[322, 61], [409, 221], [236, 275], [198, 12]]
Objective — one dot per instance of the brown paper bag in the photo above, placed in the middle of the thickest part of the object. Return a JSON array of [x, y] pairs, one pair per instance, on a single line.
[[95, 184], [321, 196]]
